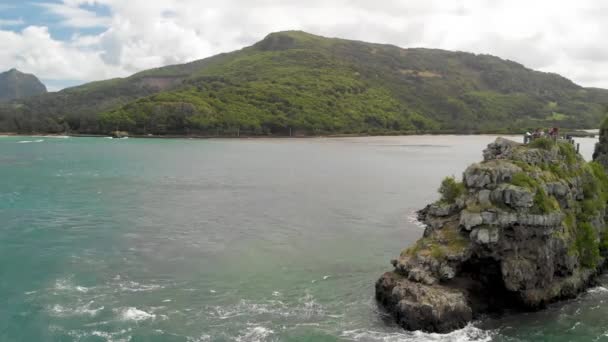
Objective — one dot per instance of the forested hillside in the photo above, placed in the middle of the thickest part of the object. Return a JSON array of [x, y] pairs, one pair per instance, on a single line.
[[297, 82]]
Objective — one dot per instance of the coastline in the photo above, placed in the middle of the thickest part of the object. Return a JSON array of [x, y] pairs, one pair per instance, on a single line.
[[589, 133]]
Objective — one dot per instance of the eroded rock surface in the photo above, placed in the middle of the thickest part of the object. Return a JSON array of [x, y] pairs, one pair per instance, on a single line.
[[526, 227]]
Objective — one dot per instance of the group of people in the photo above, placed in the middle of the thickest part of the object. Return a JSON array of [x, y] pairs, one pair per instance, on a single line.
[[552, 133]]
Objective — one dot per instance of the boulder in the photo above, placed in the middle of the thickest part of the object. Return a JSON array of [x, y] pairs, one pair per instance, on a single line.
[[418, 307]]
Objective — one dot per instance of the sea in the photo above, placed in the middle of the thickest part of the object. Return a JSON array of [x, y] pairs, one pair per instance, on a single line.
[[266, 239]]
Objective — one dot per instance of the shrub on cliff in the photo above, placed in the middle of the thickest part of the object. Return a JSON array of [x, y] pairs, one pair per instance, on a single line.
[[544, 143], [587, 245], [450, 189]]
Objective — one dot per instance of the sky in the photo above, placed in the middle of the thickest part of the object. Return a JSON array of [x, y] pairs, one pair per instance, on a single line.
[[70, 42]]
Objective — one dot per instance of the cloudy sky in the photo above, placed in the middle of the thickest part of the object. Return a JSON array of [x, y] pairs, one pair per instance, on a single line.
[[69, 42]]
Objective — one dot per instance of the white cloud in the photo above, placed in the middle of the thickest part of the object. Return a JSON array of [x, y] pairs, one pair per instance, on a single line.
[[562, 37], [75, 16]]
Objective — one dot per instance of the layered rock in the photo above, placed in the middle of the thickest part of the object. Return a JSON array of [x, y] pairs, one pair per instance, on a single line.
[[525, 227]]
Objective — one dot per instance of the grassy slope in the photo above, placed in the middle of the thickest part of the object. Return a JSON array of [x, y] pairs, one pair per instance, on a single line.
[[295, 80]]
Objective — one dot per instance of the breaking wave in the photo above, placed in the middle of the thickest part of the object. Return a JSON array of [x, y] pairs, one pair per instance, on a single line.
[[254, 334], [470, 333], [134, 314]]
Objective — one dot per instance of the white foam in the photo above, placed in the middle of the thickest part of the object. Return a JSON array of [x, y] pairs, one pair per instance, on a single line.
[[82, 289], [166, 300], [84, 310], [597, 289], [30, 141], [575, 326], [134, 314], [202, 338], [311, 307], [305, 309], [67, 285], [326, 277], [413, 218], [276, 293], [133, 286], [255, 334], [470, 333]]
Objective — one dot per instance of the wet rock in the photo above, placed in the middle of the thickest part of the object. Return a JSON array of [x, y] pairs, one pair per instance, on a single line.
[[419, 307]]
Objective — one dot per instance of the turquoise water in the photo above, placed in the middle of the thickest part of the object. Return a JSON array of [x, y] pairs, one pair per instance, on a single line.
[[229, 240]]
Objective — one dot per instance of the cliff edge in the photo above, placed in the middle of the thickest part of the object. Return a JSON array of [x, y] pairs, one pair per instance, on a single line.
[[524, 227]]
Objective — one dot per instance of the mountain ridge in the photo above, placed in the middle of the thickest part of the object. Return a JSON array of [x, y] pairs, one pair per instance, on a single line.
[[293, 80], [15, 84]]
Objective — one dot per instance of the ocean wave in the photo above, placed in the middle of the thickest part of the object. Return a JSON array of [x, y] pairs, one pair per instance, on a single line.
[[306, 308], [133, 286], [83, 310], [254, 334], [134, 314], [68, 286], [30, 141], [470, 333], [117, 336], [202, 338]]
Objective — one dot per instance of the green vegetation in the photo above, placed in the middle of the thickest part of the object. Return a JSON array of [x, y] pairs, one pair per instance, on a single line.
[[444, 242], [556, 116], [587, 246], [437, 252], [543, 203], [568, 151], [523, 180], [603, 247], [450, 190], [544, 143], [297, 83]]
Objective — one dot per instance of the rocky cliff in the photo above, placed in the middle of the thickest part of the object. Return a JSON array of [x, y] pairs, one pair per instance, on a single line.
[[524, 227], [600, 154]]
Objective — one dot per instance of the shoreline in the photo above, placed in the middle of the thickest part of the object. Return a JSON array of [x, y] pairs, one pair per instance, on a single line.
[[579, 133]]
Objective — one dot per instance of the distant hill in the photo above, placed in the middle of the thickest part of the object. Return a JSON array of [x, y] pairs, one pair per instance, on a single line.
[[298, 82], [17, 85]]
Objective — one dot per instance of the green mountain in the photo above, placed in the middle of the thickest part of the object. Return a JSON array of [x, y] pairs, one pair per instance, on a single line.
[[16, 85], [301, 83]]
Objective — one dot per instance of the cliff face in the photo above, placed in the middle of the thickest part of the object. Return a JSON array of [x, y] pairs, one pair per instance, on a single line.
[[600, 154], [525, 227]]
